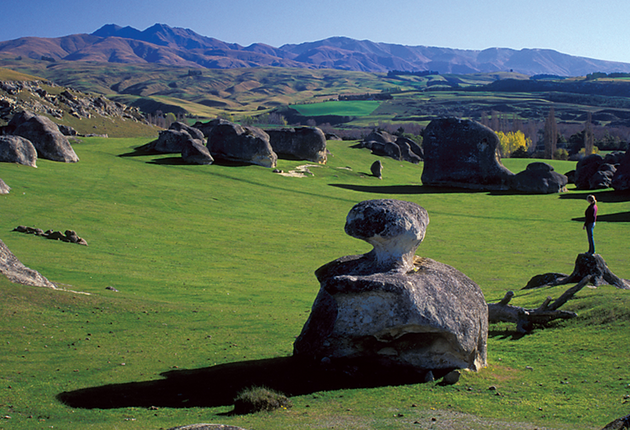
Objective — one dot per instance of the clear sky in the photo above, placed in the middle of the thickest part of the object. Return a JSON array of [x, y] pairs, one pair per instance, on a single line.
[[589, 28]]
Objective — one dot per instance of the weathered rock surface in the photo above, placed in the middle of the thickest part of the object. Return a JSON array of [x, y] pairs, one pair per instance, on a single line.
[[302, 143], [4, 188], [45, 136], [585, 171], [195, 152], [377, 169], [396, 147], [234, 143], [177, 137], [539, 178], [16, 149], [464, 154], [195, 133], [392, 307], [17, 272], [621, 179]]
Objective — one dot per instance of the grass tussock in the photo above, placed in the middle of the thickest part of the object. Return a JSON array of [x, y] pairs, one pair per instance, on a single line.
[[258, 399]]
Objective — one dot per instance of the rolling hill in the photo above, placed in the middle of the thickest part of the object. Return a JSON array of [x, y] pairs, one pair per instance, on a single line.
[[161, 44]]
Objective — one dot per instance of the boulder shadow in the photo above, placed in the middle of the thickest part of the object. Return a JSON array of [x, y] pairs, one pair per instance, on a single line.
[[601, 196], [616, 217], [402, 189], [218, 385]]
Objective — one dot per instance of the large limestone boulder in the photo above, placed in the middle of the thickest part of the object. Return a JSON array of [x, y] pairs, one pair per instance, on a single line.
[[393, 307], [539, 178], [16, 149], [463, 154], [621, 179], [44, 134], [586, 168], [171, 141], [195, 152], [234, 143], [13, 269], [302, 143], [4, 188], [195, 133]]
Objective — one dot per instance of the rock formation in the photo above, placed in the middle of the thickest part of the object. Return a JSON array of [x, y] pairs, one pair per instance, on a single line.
[[13, 269], [392, 307], [302, 143], [539, 178], [4, 188], [234, 143], [398, 148], [464, 154], [377, 169], [195, 152], [45, 137], [594, 172], [621, 179], [16, 149], [69, 235]]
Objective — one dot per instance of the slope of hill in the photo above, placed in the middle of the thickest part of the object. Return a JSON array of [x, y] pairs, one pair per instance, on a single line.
[[161, 44]]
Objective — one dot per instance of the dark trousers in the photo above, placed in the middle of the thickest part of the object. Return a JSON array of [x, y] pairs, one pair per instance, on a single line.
[[591, 241]]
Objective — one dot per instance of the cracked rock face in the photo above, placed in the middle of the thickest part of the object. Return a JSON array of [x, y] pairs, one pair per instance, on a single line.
[[392, 306]]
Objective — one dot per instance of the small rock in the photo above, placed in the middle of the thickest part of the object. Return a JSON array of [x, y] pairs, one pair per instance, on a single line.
[[110, 288], [451, 377]]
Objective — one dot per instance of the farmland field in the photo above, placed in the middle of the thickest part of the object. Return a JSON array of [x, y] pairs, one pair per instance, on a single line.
[[214, 271], [342, 108]]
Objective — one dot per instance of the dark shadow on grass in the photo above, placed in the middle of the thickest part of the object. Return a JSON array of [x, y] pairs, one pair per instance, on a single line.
[[618, 217], [605, 196], [402, 189], [218, 385], [505, 334], [140, 151]]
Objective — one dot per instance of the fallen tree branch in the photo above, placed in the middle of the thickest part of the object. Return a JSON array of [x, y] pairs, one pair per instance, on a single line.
[[526, 318]]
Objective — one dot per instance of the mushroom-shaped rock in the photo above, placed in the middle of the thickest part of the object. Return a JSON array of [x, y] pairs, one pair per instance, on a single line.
[[394, 228], [392, 307]]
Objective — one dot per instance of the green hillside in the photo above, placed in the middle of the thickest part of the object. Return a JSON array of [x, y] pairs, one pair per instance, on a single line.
[[214, 271]]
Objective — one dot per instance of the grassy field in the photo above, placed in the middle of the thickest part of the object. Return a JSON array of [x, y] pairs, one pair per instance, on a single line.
[[347, 108], [214, 271]]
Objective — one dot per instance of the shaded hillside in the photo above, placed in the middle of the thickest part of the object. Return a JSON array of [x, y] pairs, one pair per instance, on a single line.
[[161, 44]]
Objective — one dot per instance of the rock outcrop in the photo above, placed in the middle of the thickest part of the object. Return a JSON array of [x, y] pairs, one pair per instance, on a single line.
[[621, 179], [392, 307], [4, 188], [399, 148], [539, 178], [69, 235], [234, 143], [16, 149], [45, 137], [302, 143], [17, 272], [377, 169], [195, 152], [464, 154]]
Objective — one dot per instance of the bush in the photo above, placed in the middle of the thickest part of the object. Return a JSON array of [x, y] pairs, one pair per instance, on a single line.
[[256, 399], [520, 153], [561, 154]]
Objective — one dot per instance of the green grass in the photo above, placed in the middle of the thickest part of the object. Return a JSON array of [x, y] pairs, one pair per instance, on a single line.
[[214, 267], [343, 108]]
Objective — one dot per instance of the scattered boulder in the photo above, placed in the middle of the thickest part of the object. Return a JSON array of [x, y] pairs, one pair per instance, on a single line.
[[585, 169], [463, 153], [172, 141], [16, 149], [603, 177], [302, 143], [619, 424], [409, 150], [195, 152], [195, 133], [621, 178], [69, 235], [206, 127], [392, 307], [17, 272], [66, 130], [45, 136], [539, 178], [377, 169], [4, 188], [383, 144], [234, 143]]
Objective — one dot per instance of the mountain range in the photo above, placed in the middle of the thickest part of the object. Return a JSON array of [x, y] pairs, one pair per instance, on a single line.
[[166, 45]]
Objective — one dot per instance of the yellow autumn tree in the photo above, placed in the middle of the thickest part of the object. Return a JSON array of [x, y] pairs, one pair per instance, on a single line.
[[511, 141]]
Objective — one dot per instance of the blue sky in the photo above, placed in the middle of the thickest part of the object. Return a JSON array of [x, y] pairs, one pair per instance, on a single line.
[[587, 28]]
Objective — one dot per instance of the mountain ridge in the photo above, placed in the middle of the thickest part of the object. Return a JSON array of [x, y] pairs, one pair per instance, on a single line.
[[162, 44]]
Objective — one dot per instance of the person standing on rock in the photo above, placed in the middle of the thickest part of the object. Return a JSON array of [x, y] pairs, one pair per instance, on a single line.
[[589, 223]]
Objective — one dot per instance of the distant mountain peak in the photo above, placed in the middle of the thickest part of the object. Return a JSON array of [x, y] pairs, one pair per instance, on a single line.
[[163, 44]]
